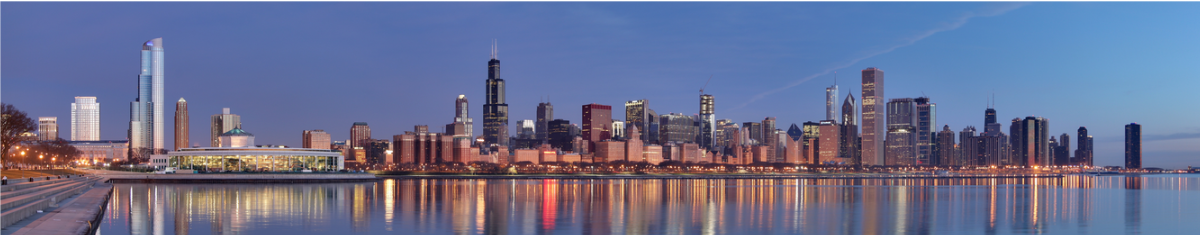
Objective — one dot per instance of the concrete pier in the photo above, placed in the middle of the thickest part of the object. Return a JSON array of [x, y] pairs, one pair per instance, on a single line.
[[80, 216]]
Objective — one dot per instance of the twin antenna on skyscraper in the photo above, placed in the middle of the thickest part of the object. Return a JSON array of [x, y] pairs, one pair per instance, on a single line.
[[495, 50]]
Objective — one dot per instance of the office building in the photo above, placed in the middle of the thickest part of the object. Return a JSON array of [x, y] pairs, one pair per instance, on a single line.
[[495, 110], [831, 96], [221, 123], [182, 133], [873, 117], [545, 114], [637, 113], [1030, 142], [101, 151], [597, 123], [634, 146], [676, 128], [559, 135], [970, 148], [618, 130], [1062, 151], [146, 112], [360, 136], [85, 119], [771, 139], [463, 125], [1083, 153], [1133, 146], [316, 139], [829, 143], [526, 129], [995, 144], [926, 120], [753, 132], [377, 152], [47, 128], [947, 150], [708, 122], [901, 135], [849, 148]]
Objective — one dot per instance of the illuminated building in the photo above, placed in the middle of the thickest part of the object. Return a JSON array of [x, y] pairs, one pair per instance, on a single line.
[[831, 96], [829, 140], [901, 134], [1030, 142], [545, 113], [597, 121], [85, 119], [102, 150], [771, 139], [237, 153], [969, 150], [618, 130], [633, 145], [222, 123], [873, 114], [607, 151], [676, 128], [315, 139], [525, 129], [1133, 146], [1062, 154], [423, 147], [637, 113], [708, 122], [495, 110], [652, 154], [463, 125], [753, 132], [146, 112], [526, 155], [1083, 153], [926, 119], [947, 151], [181, 124], [47, 128]]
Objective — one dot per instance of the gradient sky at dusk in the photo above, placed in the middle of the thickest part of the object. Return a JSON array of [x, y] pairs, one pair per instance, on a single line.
[[288, 67]]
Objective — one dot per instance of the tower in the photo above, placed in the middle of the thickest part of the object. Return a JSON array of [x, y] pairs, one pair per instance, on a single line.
[[901, 132], [1133, 146], [1083, 153], [545, 113], [636, 114], [495, 110], [146, 112], [316, 139], [708, 122], [463, 125], [849, 145], [831, 96], [181, 124], [926, 120], [85, 119], [597, 124], [222, 123], [873, 115]]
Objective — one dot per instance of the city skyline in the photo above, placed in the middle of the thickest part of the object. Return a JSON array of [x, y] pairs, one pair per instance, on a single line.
[[671, 89]]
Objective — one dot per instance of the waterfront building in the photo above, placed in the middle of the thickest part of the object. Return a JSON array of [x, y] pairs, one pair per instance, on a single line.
[[597, 123], [495, 110], [1062, 150], [47, 128], [947, 151], [707, 121], [463, 125], [1030, 142], [1133, 146], [873, 117], [341, 146], [849, 145], [545, 114], [102, 150], [85, 119], [793, 153], [423, 147], [995, 143], [146, 112], [238, 153], [676, 128], [901, 134], [315, 139], [618, 130], [795, 133], [182, 131], [378, 151], [1083, 153], [222, 123], [926, 120], [829, 140]]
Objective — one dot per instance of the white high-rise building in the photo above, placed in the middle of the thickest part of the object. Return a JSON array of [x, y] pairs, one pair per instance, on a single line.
[[85, 119], [146, 112], [47, 128]]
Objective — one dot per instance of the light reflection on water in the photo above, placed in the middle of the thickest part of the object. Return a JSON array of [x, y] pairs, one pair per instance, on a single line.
[[1160, 204]]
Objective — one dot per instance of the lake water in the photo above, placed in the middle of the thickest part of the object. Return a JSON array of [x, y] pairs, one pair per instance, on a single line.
[[1155, 204]]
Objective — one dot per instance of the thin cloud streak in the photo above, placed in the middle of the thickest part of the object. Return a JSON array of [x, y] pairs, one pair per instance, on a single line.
[[912, 40]]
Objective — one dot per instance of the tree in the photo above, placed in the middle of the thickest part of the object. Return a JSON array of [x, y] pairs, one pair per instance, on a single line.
[[14, 123]]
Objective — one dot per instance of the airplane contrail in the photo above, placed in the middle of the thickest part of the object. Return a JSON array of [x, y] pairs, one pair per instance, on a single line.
[[959, 22]]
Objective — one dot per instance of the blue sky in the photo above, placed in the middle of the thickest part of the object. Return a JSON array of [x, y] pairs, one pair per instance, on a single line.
[[288, 67]]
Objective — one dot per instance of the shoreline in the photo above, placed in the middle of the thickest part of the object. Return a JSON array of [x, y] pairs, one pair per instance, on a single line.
[[729, 176]]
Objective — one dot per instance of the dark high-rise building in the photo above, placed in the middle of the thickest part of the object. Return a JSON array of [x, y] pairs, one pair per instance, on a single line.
[[636, 115], [754, 132], [873, 115], [1133, 146], [181, 124], [597, 124], [771, 139], [222, 123], [1031, 142], [559, 136], [849, 146], [995, 143], [969, 146], [1062, 155], [676, 128], [495, 110], [947, 151], [1083, 153], [708, 122], [545, 113], [926, 120], [901, 134], [795, 132]]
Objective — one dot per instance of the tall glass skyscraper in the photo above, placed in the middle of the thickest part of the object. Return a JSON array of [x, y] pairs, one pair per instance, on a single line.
[[708, 121], [146, 112], [1133, 146], [495, 110]]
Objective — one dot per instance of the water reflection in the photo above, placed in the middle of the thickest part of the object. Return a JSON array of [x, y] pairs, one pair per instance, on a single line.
[[659, 206]]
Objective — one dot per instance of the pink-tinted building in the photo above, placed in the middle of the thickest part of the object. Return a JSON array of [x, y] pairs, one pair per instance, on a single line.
[[652, 154], [607, 151], [597, 123]]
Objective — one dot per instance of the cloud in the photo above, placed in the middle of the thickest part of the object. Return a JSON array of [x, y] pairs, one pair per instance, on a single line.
[[952, 25]]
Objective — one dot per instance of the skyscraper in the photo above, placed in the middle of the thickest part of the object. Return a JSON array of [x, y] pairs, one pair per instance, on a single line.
[[771, 139], [1062, 155], [559, 135], [1133, 146], [85, 119], [597, 124], [947, 150], [926, 120], [526, 129], [873, 115], [754, 134], [545, 113], [47, 128], [831, 96], [1083, 155], [495, 110], [849, 148], [316, 139], [462, 116], [181, 124], [360, 141], [1031, 142], [968, 148], [146, 112], [901, 135], [708, 122], [636, 114], [222, 123]]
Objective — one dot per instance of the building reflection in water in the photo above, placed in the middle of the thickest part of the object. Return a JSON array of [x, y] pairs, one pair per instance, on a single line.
[[639, 206]]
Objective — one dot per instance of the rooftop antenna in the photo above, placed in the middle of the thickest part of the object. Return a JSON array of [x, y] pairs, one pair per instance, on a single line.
[[706, 84], [834, 78], [493, 49]]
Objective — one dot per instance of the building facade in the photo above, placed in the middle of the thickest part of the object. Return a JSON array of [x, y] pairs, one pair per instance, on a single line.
[[849, 145], [1133, 146], [708, 122], [902, 132], [597, 123], [873, 117], [947, 150], [545, 114], [102, 150], [1030, 142], [182, 132], [146, 112], [495, 110], [1083, 151], [222, 123], [926, 115], [47, 128], [316, 139], [85, 119]]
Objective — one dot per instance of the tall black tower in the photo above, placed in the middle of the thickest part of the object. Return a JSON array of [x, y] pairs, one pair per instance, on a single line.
[[1133, 146], [495, 110]]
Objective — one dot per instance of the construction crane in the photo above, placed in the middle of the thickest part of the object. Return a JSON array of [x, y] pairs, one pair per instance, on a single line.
[[705, 84]]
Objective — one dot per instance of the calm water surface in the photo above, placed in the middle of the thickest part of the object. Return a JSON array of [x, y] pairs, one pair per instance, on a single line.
[[1158, 204]]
